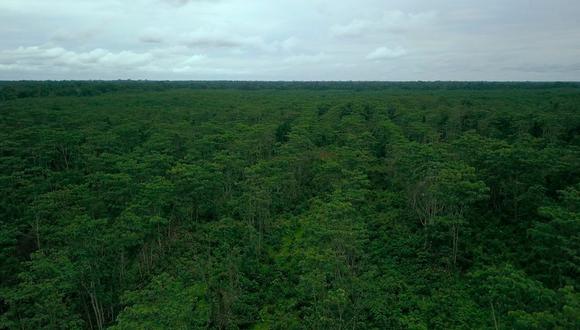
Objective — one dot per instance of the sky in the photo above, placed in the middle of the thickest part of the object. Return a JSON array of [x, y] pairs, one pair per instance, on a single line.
[[391, 40]]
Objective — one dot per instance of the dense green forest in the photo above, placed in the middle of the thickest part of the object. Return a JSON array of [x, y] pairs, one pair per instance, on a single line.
[[253, 205]]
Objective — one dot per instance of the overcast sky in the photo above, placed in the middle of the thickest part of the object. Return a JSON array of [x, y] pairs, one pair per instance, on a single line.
[[290, 39]]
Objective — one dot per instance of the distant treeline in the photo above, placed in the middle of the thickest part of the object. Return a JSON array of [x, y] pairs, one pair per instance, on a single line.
[[10, 90]]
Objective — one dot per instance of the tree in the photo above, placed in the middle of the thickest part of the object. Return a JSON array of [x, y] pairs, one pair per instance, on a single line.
[[166, 303], [556, 248]]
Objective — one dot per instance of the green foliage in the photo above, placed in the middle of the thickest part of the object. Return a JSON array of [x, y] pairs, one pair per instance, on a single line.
[[164, 304], [556, 245], [360, 205]]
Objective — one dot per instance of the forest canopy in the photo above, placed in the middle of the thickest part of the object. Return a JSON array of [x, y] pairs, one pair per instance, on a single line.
[[288, 205]]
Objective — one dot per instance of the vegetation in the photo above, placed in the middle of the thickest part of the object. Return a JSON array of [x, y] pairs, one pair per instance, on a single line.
[[181, 205]]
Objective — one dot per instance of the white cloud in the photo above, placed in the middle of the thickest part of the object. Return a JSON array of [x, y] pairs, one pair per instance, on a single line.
[[383, 53], [74, 35], [352, 29], [390, 21], [39, 58], [306, 59], [180, 3], [289, 44]]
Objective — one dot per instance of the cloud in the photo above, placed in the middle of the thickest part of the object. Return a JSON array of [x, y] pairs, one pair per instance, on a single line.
[[302, 59], [180, 3], [288, 39], [74, 35], [383, 53], [152, 36], [43, 58], [208, 39], [352, 29], [390, 21], [288, 44], [546, 68]]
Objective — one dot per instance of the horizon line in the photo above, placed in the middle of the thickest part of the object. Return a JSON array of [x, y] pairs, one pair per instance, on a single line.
[[290, 81]]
